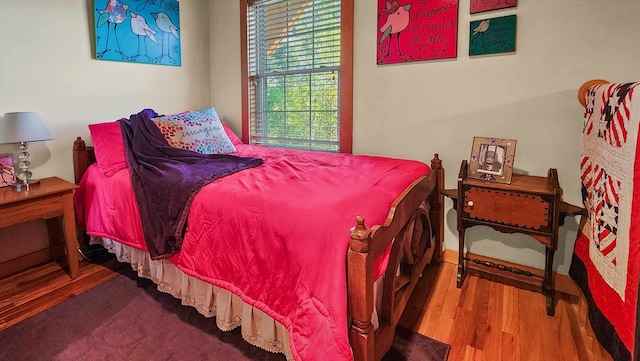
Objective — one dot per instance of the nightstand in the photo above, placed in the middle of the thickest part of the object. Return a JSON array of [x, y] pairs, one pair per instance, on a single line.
[[530, 205], [52, 200]]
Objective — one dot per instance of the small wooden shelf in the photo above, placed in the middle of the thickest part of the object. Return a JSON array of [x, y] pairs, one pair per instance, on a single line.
[[530, 205]]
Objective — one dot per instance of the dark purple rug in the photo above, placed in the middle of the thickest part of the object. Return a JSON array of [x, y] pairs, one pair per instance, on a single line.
[[128, 319]]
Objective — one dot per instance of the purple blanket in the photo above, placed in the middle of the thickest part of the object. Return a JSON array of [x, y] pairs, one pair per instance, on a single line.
[[166, 179]]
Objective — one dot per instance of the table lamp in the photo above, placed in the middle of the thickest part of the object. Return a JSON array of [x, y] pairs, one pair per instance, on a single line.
[[23, 127]]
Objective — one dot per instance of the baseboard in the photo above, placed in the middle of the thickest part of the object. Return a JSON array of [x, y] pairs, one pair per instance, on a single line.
[[22, 263], [562, 283]]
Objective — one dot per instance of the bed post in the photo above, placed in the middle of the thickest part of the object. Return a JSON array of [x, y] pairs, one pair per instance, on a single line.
[[436, 212], [360, 288], [83, 157], [80, 159]]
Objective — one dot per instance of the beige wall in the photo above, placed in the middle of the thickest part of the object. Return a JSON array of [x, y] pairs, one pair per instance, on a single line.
[[413, 110], [224, 53], [47, 66]]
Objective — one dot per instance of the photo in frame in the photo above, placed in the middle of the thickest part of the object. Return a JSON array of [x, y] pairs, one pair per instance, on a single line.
[[492, 159], [7, 171], [478, 6]]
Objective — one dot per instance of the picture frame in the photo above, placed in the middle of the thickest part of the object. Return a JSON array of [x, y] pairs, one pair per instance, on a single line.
[[7, 170], [492, 159], [146, 32], [479, 6], [493, 35], [416, 30]]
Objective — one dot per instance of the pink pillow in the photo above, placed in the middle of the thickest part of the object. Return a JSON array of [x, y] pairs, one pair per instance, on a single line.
[[108, 146], [232, 136]]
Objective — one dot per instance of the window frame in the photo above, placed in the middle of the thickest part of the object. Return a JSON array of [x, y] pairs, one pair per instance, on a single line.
[[345, 84]]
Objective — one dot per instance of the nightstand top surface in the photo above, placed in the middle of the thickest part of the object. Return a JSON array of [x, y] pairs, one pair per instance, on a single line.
[[48, 186], [519, 182]]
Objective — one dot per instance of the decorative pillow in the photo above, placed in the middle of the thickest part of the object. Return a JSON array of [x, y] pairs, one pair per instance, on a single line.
[[200, 131], [232, 136], [108, 146]]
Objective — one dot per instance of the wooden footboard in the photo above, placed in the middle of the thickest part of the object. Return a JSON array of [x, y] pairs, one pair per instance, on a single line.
[[415, 226]]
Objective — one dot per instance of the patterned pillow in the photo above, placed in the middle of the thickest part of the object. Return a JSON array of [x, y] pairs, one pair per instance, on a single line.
[[200, 131]]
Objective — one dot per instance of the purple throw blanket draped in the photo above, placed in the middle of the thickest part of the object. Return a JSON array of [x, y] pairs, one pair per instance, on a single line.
[[166, 179]]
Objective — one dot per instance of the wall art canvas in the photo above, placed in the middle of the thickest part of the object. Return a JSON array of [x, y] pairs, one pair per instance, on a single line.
[[492, 159], [415, 30], [7, 171], [491, 36], [138, 31], [478, 6]]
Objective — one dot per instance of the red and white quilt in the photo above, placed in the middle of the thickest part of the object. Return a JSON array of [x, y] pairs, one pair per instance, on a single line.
[[607, 252]]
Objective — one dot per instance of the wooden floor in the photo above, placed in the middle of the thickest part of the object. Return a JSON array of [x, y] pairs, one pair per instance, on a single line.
[[32, 291], [484, 320], [489, 321]]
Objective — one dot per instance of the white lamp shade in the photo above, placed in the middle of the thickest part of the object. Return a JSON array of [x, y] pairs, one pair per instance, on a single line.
[[23, 127]]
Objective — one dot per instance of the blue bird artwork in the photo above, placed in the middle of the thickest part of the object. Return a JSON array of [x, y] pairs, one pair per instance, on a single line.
[[114, 14], [163, 22], [150, 31], [142, 30]]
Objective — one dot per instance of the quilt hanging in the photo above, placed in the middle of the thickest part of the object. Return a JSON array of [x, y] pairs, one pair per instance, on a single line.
[[607, 250]]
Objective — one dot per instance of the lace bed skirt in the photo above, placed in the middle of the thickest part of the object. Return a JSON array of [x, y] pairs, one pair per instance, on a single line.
[[228, 309]]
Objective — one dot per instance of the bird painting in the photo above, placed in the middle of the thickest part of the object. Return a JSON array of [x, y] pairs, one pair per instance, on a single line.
[[486, 5], [138, 31], [397, 20], [164, 23], [492, 36], [140, 27], [479, 30], [113, 14]]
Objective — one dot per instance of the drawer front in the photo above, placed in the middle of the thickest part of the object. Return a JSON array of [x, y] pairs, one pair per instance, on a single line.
[[517, 209], [46, 207]]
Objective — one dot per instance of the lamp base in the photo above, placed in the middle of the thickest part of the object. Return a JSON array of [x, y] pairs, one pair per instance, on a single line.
[[25, 186]]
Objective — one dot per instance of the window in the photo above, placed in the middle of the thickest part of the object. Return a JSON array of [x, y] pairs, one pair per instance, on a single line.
[[298, 73]]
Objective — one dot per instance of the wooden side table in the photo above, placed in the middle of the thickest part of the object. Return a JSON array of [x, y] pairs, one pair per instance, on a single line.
[[52, 200], [529, 205]]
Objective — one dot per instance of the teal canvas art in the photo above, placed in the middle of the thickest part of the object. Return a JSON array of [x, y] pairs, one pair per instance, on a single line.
[[138, 31], [491, 36]]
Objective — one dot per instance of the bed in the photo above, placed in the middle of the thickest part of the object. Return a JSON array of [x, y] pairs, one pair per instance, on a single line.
[[377, 262], [606, 259]]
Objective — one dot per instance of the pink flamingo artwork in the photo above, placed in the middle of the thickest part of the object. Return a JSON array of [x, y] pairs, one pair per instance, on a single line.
[[397, 20]]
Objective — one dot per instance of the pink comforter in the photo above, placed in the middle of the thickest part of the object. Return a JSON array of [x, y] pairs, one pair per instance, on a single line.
[[275, 235]]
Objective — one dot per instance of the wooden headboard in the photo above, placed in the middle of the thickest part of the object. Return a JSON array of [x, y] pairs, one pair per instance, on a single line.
[[83, 157]]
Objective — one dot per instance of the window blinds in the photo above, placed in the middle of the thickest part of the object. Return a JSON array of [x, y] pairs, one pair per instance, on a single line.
[[294, 61]]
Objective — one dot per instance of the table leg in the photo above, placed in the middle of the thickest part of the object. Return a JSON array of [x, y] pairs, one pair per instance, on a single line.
[[56, 237], [70, 235], [461, 275], [547, 284]]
